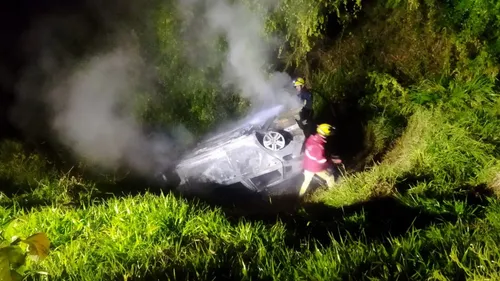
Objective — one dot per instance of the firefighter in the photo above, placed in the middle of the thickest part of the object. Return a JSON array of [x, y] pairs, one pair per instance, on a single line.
[[306, 114], [315, 161]]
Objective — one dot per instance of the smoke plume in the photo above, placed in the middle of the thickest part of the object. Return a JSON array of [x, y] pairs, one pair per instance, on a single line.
[[85, 96], [248, 48], [90, 100], [93, 112]]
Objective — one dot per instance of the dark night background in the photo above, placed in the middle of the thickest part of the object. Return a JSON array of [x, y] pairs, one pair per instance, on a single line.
[[68, 30], [15, 19], [19, 20]]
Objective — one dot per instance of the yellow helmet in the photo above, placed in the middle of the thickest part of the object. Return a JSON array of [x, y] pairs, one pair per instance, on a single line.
[[299, 82], [325, 129]]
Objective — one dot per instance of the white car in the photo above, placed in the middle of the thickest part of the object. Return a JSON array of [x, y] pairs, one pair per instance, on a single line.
[[260, 152]]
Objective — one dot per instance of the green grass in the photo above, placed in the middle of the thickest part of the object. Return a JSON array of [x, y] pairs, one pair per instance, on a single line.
[[423, 213], [429, 148], [424, 208], [408, 234], [160, 235]]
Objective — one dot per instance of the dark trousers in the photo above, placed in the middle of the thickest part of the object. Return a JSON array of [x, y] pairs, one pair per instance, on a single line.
[[306, 124], [306, 121]]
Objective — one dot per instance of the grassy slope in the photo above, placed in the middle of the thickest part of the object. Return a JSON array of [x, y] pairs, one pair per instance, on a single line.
[[410, 235], [424, 212]]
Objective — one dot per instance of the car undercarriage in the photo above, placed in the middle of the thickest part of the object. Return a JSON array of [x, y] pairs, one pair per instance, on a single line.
[[259, 152]]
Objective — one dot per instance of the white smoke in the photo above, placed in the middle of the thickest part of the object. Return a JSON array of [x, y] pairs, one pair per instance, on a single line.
[[81, 84], [248, 48], [92, 105], [93, 111]]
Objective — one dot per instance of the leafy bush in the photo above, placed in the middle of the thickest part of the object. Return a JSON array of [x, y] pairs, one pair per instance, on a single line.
[[424, 76], [19, 167], [303, 23], [13, 258], [27, 177], [448, 142], [185, 92]]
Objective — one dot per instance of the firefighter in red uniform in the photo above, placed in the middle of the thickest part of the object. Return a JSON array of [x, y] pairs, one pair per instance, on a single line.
[[315, 161]]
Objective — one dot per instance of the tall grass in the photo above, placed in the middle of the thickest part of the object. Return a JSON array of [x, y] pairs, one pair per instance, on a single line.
[[150, 236], [421, 210], [162, 236]]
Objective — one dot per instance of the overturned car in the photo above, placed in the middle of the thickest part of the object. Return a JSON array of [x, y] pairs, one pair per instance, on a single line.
[[264, 150]]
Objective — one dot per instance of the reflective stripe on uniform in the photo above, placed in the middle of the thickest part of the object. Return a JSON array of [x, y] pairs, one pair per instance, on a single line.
[[314, 158]]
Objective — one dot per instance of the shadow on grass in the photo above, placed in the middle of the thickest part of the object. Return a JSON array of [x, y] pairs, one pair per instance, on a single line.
[[10, 188], [472, 196], [373, 221], [19, 195]]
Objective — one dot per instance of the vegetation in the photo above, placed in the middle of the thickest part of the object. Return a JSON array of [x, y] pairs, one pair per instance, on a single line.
[[13, 257], [419, 200]]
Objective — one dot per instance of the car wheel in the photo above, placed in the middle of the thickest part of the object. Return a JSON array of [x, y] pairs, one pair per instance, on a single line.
[[273, 141]]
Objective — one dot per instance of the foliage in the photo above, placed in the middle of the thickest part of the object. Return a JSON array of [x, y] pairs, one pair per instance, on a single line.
[[390, 95], [200, 102], [423, 75], [149, 236], [13, 258], [448, 142], [21, 168], [476, 20], [27, 177], [303, 23]]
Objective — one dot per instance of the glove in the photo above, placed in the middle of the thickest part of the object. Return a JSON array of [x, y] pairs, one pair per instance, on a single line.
[[336, 160]]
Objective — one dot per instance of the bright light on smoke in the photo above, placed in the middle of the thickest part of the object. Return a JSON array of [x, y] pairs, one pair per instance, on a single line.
[[264, 115], [93, 114], [92, 103], [248, 50]]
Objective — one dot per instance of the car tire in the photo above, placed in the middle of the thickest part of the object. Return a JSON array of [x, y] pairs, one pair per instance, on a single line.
[[274, 141]]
